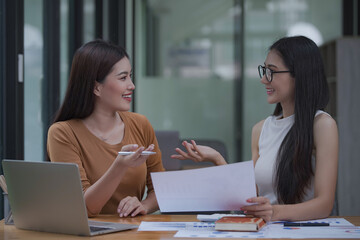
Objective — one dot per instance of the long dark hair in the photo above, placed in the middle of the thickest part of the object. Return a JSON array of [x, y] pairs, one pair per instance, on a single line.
[[294, 168], [92, 62]]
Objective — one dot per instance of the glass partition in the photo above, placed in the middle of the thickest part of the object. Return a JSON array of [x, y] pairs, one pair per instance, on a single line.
[[33, 80], [185, 67]]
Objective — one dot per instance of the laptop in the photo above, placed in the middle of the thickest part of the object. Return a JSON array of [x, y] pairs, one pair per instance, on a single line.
[[48, 197]]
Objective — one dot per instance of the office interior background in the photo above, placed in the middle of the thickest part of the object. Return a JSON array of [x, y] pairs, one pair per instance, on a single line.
[[194, 63]]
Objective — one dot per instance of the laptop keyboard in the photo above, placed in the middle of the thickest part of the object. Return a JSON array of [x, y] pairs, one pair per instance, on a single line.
[[98, 229]]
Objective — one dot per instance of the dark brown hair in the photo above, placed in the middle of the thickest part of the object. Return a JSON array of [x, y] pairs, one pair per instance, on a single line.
[[92, 62], [294, 161]]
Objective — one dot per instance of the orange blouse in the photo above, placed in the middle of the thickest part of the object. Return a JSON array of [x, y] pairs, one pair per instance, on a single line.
[[71, 141]]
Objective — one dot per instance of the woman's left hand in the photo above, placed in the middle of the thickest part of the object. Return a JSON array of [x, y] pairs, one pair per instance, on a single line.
[[261, 208], [131, 206]]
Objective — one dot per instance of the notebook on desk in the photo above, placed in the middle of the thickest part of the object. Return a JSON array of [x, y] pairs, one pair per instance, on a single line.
[[48, 197]]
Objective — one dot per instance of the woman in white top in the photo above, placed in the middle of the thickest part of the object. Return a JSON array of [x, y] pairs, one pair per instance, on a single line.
[[295, 151]]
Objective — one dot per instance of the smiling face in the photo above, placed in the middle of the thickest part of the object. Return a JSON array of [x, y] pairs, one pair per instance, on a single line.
[[282, 88], [115, 92]]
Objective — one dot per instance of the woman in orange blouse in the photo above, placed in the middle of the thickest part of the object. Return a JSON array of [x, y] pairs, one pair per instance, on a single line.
[[93, 125]]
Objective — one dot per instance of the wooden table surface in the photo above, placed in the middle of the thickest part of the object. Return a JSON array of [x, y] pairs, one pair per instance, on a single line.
[[11, 232]]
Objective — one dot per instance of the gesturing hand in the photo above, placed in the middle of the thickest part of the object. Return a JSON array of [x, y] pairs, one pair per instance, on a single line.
[[131, 205], [199, 153], [135, 159]]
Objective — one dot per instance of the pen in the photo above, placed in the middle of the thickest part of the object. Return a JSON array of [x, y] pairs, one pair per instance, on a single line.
[[294, 224], [143, 153]]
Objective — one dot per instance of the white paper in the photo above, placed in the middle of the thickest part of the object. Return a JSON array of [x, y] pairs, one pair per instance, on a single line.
[[339, 228], [313, 232], [334, 222], [218, 188], [175, 226], [220, 234], [308, 232]]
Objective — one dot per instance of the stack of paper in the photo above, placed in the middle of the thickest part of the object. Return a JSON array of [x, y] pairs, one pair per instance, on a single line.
[[339, 228]]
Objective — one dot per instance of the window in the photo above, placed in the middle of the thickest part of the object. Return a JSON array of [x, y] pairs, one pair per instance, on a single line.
[[186, 67]]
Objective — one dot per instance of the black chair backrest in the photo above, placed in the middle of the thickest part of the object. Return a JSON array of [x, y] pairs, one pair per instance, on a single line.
[[168, 141]]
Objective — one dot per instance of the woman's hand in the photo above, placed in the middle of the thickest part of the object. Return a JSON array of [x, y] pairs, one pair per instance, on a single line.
[[261, 208], [135, 159], [131, 206], [97, 195], [199, 153]]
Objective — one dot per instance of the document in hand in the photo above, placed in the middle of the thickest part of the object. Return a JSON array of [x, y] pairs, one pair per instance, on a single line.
[[218, 188]]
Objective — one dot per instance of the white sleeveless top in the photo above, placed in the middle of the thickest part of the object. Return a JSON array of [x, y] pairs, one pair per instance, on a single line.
[[272, 135]]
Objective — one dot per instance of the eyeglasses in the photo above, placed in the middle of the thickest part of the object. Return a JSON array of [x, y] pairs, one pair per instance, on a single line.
[[268, 72]]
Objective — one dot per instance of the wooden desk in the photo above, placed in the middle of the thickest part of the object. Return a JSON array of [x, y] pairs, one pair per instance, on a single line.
[[10, 232]]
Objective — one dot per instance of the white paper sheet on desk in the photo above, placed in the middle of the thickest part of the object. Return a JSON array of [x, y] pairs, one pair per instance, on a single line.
[[176, 226], [339, 228], [273, 232], [334, 222], [218, 188]]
